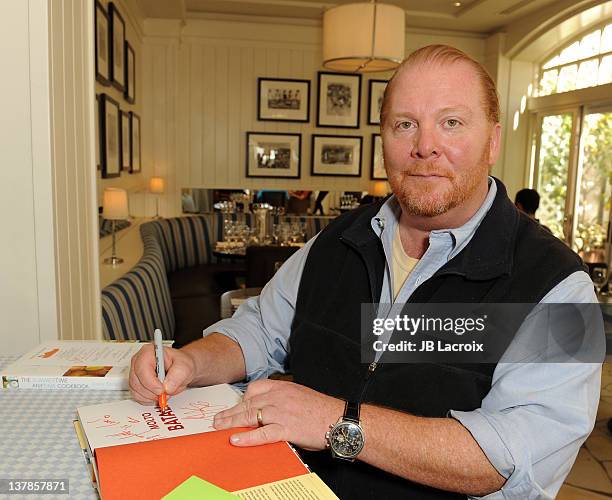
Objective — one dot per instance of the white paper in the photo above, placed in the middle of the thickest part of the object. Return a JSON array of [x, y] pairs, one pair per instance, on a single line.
[[123, 422]]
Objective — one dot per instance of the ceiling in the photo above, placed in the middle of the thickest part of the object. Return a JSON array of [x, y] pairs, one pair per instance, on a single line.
[[478, 16]]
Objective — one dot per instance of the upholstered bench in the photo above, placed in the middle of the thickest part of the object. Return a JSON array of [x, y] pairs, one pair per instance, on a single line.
[[176, 286]]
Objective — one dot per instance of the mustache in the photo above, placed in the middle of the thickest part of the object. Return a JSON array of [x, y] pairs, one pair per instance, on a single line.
[[427, 172]]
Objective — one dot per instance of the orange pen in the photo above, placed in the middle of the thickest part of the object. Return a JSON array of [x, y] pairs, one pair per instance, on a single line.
[[162, 399]]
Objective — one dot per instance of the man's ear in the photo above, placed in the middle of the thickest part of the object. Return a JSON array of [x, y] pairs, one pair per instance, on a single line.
[[494, 143]]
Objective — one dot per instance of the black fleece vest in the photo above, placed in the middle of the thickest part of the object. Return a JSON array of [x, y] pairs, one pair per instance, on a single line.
[[509, 259]]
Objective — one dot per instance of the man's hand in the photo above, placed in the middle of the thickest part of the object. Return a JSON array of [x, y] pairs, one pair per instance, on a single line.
[[144, 384], [290, 412]]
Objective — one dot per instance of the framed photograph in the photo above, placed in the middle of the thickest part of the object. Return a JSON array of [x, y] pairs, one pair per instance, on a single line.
[[102, 45], [135, 148], [376, 92], [117, 40], [338, 155], [338, 100], [97, 129], [275, 155], [130, 74], [378, 171], [111, 137], [283, 100], [126, 141]]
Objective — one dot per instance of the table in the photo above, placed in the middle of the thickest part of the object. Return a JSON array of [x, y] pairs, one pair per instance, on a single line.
[[38, 438]]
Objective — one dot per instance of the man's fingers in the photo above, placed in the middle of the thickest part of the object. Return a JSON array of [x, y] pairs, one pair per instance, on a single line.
[[244, 414], [271, 433]]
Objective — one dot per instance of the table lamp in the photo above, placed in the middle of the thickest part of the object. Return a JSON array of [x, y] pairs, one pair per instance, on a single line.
[[156, 186], [380, 189], [115, 207]]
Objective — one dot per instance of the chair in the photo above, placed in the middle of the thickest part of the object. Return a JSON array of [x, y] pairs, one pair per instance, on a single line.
[[263, 261], [231, 300]]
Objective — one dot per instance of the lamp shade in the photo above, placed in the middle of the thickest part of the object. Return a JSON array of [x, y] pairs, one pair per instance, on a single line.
[[115, 204], [363, 37], [156, 185], [380, 189]]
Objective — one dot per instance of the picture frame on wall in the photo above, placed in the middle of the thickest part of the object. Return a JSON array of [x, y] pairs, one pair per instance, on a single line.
[[286, 100], [377, 172], [130, 74], [376, 92], [126, 141], [102, 45], [337, 155], [111, 137], [135, 145], [97, 129], [273, 155], [338, 100], [117, 40]]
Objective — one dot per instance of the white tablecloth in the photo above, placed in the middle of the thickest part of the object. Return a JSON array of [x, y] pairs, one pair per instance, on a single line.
[[37, 438]]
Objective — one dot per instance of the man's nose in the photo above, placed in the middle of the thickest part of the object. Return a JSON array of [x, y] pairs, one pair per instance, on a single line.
[[426, 145]]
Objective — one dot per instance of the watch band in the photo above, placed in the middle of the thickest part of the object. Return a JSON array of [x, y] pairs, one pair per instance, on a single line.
[[351, 411]]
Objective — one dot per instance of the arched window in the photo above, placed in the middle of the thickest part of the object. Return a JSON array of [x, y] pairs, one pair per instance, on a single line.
[[586, 62], [571, 160]]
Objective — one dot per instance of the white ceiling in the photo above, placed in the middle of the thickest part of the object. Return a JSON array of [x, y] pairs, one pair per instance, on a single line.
[[478, 16]]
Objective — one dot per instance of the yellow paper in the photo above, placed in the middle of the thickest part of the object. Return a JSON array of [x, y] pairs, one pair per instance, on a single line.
[[304, 487], [194, 488]]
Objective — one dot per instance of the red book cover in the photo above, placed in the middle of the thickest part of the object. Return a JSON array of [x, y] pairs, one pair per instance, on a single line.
[[152, 469]]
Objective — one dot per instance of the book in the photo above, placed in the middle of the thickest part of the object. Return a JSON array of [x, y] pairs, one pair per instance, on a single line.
[[72, 364], [142, 451]]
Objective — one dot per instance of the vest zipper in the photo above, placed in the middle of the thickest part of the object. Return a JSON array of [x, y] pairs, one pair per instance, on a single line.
[[371, 369]]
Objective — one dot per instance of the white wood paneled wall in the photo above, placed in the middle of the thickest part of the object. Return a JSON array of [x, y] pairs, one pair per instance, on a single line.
[[75, 219], [200, 86]]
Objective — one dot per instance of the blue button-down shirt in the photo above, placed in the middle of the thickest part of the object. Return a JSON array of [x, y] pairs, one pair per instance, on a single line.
[[536, 416]]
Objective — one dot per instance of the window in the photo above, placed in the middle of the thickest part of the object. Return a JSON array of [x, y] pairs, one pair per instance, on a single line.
[[572, 142], [586, 62]]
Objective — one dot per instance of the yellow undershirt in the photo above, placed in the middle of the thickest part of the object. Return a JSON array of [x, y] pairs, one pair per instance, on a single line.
[[402, 264]]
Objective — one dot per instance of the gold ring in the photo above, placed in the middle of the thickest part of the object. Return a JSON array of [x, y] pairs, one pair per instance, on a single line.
[[260, 417]]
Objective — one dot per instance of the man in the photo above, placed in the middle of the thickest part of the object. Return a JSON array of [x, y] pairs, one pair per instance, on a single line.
[[528, 201], [449, 234]]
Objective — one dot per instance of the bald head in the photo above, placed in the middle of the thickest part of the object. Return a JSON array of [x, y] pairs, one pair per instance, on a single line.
[[442, 55]]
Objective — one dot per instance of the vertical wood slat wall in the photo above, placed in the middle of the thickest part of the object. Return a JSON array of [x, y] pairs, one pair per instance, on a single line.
[[200, 86], [75, 217]]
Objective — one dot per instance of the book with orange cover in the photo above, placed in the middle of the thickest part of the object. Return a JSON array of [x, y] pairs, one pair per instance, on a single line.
[[143, 452]]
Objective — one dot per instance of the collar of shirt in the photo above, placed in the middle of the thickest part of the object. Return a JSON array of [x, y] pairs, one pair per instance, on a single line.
[[444, 244]]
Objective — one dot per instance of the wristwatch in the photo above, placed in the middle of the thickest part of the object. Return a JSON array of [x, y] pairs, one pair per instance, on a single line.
[[345, 438]]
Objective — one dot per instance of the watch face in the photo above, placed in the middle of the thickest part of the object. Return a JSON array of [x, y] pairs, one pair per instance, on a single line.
[[346, 439]]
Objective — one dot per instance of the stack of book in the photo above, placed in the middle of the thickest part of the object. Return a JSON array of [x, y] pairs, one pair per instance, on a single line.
[[78, 364]]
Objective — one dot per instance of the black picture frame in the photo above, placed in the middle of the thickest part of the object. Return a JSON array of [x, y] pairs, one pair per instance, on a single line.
[[333, 92], [332, 162], [376, 90], [102, 32], [110, 135], [117, 44], [265, 140], [126, 141], [377, 167], [130, 74], [285, 93], [135, 144], [97, 130]]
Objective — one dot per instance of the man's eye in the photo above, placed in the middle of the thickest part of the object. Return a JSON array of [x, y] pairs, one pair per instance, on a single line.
[[405, 125], [452, 123]]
